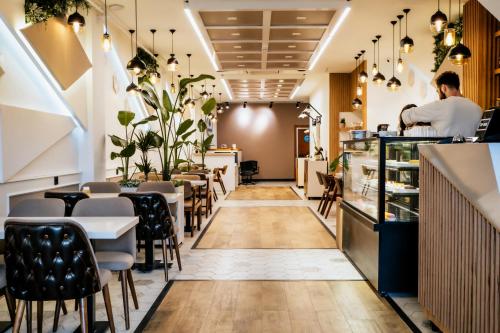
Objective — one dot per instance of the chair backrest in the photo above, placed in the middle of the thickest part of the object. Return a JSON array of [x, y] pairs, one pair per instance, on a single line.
[[203, 176], [49, 260], [186, 177], [70, 199], [161, 186], [176, 172], [38, 208], [155, 220], [248, 166], [103, 187], [224, 169], [110, 207], [320, 177]]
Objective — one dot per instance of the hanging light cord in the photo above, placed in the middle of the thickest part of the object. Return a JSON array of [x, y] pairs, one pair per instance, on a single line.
[[136, 33], [374, 52], [393, 23], [378, 56], [106, 16], [172, 46], [449, 7], [406, 19], [399, 18]]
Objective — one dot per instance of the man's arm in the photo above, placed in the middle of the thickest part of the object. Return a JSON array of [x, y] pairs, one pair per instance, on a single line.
[[425, 113]]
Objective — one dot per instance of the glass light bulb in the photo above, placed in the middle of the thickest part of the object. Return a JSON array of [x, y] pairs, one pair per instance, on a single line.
[[374, 69], [407, 48], [153, 78], [362, 79], [172, 88], [106, 42], [359, 90], [400, 67], [172, 67], [438, 26], [393, 87], [76, 27], [449, 37], [136, 70]]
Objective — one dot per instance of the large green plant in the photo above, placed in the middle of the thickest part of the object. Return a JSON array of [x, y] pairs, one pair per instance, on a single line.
[[127, 145], [205, 140], [145, 142], [36, 11], [173, 129]]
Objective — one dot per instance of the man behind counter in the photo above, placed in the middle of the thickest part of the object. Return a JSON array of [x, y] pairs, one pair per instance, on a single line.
[[452, 114]]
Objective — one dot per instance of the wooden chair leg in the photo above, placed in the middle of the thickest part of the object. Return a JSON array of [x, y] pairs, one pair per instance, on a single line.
[[39, 316], [165, 258], [57, 312], [198, 219], [329, 207], [215, 195], [109, 308], [83, 316], [11, 305], [170, 249], [126, 311], [177, 252], [29, 316], [63, 307], [19, 316], [325, 204], [130, 280], [321, 201]]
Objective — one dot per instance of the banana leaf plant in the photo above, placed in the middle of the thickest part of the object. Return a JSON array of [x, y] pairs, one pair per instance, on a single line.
[[127, 145], [145, 142], [173, 129], [203, 145]]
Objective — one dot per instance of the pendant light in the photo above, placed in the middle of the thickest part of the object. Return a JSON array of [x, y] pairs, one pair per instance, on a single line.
[[356, 102], [379, 78], [450, 33], [213, 91], [187, 101], [136, 65], [359, 89], [106, 37], [76, 20], [401, 66], [438, 21], [204, 93], [173, 90], [374, 68], [192, 104], [407, 43], [132, 88], [220, 109], [363, 76], [172, 63], [154, 75], [460, 54], [393, 84]]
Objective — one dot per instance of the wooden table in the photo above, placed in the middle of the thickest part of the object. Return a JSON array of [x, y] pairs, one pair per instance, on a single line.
[[108, 227]]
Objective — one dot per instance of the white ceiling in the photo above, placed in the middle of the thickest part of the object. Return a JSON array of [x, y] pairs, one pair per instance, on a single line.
[[366, 19]]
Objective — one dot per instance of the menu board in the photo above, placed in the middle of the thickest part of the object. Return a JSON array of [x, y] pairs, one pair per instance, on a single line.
[[489, 124]]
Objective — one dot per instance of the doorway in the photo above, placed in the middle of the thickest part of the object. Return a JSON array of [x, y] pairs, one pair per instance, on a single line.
[[302, 138]]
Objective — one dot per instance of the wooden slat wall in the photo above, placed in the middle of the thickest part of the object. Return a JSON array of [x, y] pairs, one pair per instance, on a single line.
[[340, 101], [459, 258], [480, 82]]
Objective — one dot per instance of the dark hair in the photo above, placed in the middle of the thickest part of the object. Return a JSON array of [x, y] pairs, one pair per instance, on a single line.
[[450, 79], [402, 125]]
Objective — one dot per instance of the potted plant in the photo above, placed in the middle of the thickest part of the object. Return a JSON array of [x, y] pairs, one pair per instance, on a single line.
[[146, 141], [174, 131], [339, 161], [127, 145], [342, 123]]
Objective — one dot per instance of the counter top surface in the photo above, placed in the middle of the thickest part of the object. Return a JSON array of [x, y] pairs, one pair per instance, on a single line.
[[474, 169]]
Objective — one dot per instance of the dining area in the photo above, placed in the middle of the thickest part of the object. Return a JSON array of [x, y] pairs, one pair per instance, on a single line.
[[63, 248]]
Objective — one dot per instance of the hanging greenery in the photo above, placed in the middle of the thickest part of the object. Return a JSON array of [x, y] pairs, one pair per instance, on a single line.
[[36, 11], [440, 50], [148, 59]]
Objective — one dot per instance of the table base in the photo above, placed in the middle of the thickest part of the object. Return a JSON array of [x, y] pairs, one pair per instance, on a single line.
[[99, 327], [157, 264]]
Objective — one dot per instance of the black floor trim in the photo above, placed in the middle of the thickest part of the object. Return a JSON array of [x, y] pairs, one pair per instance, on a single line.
[[402, 314], [147, 318]]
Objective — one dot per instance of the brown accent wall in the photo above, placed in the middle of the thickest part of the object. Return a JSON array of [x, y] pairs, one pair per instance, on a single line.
[[481, 82], [265, 135]]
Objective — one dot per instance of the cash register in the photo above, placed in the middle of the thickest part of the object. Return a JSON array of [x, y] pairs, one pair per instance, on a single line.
[[489, 126]]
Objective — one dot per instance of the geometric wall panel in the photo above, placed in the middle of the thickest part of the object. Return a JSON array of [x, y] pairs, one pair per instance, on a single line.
[[60, 50], [25, 134]]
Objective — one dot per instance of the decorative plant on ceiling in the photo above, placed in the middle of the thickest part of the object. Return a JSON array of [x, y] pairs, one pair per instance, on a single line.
[[127, 145], [36, 11], [174, 129], [148, 60], [440, 50]]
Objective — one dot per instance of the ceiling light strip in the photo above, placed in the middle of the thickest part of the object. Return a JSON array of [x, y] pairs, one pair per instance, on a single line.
[[329, 38], [226, 87], [295, 91], [197, 30]]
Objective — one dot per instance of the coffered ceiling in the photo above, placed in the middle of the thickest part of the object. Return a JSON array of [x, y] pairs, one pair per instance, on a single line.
[[265, 41]]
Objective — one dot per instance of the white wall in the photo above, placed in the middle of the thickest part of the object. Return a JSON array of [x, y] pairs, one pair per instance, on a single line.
[[320, 99]]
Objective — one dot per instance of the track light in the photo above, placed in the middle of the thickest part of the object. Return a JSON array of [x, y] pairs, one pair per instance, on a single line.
[[297, 105], [244, 104], [227, 106], [271, 105]]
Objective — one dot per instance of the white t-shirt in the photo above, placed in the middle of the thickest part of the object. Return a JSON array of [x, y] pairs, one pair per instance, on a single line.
[[449, 117]]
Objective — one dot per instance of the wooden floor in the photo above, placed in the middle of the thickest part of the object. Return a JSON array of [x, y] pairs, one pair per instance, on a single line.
[[252, 192], [266, 228], [274, 307]]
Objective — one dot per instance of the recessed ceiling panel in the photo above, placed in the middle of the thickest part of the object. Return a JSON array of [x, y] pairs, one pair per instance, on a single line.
[[287, 65], [239, 56], [235, 34], [232, 18], [293, 46], [297, 34], [237, 47], [289, 56], [301, 17], [247, 65]]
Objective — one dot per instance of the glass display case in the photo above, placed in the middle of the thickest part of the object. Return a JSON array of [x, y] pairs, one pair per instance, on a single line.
[[380, 210], [381, 180]]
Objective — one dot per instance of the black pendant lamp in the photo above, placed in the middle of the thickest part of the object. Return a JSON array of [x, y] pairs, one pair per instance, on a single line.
[[189, 102], [393, 84], [378, 78], [204, 93], [359, 88], [407, 43], [374, 67], [356, 102], [172, 63], [173, 90], [363, 76], [400, 66], [438, 21], [132, 88], [136, 65], [450, 33], [154, 75], [220, 109], [460, 54], [76, 20], [106, 37]]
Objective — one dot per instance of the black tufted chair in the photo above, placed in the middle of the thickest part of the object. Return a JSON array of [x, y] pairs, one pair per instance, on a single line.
[[70, 199], [52, 261], [155, 223]]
